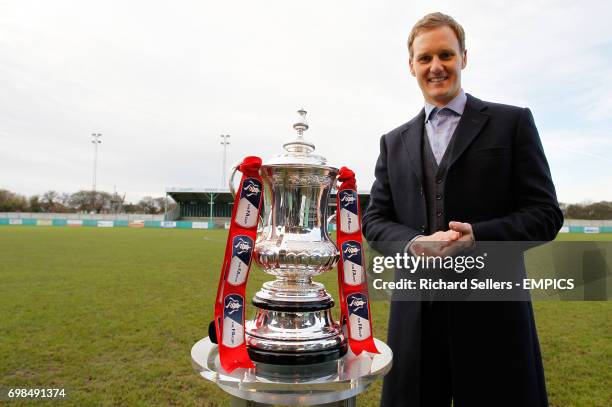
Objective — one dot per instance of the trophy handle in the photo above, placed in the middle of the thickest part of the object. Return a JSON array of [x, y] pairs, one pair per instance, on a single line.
[[231, 181], [330, 218], [336, 186]]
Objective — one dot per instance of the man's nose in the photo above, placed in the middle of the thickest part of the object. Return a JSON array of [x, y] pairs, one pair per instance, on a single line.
[[436, 65]]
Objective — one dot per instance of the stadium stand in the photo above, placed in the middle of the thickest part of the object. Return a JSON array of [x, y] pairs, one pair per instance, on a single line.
[[215, 204]]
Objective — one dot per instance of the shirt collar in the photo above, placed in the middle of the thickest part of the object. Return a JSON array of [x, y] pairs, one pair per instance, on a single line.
[[457, 105]]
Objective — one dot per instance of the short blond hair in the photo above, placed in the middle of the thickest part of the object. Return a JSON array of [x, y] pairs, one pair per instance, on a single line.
[[435, 20]]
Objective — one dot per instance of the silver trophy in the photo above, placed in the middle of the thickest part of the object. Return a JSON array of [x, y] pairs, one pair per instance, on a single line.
[[293, 323]]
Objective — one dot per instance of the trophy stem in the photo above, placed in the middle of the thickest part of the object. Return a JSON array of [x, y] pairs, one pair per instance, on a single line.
[[288, 293], [301, 280]]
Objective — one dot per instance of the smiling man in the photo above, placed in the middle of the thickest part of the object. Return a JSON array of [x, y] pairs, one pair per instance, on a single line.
[[437, 57], [462, 170]]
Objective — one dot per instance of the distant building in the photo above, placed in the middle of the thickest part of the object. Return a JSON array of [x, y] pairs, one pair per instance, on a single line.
[[217, 203]]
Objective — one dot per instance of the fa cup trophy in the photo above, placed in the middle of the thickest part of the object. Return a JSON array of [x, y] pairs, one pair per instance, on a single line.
[[293, 324]]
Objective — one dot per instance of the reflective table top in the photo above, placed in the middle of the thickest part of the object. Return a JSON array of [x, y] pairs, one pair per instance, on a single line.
[[303, 384]]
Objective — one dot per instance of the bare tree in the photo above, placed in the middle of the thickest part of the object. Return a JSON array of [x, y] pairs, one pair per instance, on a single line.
[[147, 205], [12, 202], [49, 201], [116, 203], [34, 204], [91, 201], [591, 210]]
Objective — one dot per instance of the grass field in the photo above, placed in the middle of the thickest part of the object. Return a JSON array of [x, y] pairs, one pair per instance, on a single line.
[[111, 315]]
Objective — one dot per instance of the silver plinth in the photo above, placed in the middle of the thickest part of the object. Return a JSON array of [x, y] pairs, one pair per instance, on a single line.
[[340, 380]]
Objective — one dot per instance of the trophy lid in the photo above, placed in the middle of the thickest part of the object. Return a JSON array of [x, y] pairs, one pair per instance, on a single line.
[[298, 152]]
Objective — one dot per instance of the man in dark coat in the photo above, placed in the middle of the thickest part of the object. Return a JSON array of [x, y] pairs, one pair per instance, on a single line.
[[462, 170]]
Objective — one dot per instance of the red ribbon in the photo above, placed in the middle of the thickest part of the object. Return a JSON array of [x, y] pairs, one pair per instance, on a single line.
[[347, 177], [239, 251], [250, 166], [352, 280]]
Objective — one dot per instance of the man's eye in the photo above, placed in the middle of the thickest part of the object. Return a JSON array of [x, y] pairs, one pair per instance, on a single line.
[[446, 55], [425, 59]]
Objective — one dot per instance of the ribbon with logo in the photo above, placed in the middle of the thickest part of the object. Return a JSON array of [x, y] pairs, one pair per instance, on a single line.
[[352, 281], [229, 305]]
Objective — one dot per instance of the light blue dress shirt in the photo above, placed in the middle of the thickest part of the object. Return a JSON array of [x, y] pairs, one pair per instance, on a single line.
[[440, 123]]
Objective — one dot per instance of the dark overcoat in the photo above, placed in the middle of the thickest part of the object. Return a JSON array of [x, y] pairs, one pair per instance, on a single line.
[[498, 180]]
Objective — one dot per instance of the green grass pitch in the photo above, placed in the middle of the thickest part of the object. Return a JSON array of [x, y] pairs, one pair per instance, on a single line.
[[111, 315]]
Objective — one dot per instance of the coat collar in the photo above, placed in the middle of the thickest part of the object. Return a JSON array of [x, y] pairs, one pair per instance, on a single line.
[[413, 139], [472, 121]]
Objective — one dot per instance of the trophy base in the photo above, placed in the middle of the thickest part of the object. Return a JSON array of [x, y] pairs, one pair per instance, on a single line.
[[284, 294], [302, 358], [294, 337], [304, 306]]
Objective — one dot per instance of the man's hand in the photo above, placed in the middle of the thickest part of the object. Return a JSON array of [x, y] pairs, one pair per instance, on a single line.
[[464, 242], [434, 245]]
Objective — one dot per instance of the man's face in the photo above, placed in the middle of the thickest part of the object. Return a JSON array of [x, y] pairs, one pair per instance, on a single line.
[[437, 62]]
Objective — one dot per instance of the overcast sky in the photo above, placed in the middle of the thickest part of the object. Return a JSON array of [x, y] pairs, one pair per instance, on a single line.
[[162, 80]]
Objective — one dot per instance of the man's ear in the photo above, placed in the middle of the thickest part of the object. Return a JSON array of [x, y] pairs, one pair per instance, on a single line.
[[411, 67], [464, 59]]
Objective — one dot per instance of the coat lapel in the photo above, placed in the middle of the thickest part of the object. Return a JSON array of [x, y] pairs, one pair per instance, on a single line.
[[471, 123], [413, 138]]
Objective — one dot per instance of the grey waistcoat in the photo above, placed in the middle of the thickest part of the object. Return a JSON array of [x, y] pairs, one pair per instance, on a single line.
[[434, 179]]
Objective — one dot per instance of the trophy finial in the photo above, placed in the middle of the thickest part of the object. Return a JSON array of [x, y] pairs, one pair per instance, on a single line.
[[299, 151], [299, 145], [302, 125]]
